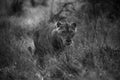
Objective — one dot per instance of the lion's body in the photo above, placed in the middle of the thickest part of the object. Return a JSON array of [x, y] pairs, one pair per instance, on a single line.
[[54, 38]]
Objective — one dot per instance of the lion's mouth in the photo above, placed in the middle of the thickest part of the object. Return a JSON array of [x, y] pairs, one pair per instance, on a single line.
[[68, 42]]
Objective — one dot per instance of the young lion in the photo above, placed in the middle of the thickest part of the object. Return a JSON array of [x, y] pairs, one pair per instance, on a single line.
[[53, 40]]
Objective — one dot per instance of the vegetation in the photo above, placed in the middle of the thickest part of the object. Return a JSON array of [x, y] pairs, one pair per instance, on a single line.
[[25, 55]]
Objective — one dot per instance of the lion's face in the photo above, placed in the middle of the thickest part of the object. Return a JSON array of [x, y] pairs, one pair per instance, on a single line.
[[66, 32]]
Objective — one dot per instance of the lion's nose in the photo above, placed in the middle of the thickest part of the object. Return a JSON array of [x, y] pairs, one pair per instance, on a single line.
[[68, 40]]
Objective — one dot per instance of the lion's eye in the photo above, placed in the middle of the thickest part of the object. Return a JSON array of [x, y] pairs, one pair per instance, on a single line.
[[63, 33], [71, 34]]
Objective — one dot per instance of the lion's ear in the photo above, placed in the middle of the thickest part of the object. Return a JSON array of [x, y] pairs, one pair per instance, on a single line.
[[58, 24], [73, 25]]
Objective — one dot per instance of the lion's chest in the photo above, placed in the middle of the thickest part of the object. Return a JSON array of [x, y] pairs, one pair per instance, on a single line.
[[57, 43]]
